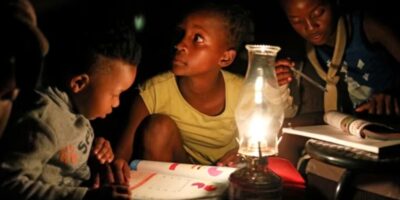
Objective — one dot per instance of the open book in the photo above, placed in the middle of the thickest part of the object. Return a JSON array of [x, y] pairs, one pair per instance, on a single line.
[[165, 180], [345, 130], [359, 127]]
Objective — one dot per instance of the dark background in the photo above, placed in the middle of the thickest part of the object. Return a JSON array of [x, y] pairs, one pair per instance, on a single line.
[[59, 18]]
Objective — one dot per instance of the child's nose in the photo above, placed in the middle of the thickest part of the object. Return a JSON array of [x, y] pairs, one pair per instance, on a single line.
[[181, 46], [311, 24]]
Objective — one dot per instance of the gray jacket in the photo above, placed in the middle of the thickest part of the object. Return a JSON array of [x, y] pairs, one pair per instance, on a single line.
[[44, 154]]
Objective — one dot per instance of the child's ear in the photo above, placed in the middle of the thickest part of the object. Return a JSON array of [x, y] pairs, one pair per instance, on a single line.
[[79, 82], [228, 58]]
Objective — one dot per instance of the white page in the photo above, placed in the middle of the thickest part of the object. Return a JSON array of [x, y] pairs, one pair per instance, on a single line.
[[165, 180]]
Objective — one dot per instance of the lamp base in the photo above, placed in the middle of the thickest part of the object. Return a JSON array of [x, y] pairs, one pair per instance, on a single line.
[[247, 183]]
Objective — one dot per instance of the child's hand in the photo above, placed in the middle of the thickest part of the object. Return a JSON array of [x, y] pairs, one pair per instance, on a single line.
[[101, 156], [102, 150], [121, 171], [116, 173], [283, 72], [230, 159], [380, 104], [107, 192]]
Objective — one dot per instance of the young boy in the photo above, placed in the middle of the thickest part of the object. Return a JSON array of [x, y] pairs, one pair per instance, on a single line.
[[187, 114], [45, 151]]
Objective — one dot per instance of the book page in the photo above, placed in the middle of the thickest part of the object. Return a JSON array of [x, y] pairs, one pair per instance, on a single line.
[[359, 127], [347, 123], [164, 180], [153, 185], [205, 172]]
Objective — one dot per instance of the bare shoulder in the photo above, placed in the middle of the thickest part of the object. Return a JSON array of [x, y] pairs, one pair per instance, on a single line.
[[375, 29], [381, 34]]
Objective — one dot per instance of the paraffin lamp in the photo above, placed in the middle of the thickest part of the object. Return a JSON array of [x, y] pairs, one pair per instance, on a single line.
[[259, 117]]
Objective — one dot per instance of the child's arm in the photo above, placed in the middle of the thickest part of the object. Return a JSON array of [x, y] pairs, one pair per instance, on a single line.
[[380, 103], [284, 77], [230, 159], [381, 35], [378, 33], [121, 171], [101, 155], [124, 148], [25, 154], [283, 72]]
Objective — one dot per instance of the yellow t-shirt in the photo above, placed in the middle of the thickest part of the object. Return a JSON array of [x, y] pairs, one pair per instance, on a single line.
[[205, 138]]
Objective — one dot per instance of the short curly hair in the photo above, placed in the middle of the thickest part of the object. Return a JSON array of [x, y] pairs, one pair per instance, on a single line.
[[116, 41], [82, 47], [239, 25]]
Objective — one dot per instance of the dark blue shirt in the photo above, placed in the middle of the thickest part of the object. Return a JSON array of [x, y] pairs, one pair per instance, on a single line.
[[366, 69]]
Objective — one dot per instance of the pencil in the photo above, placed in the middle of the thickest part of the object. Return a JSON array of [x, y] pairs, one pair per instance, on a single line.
[[307, 78]]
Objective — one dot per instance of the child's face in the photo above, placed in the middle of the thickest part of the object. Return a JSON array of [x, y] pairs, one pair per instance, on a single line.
[[312, 19], [102, 92], [8, 93], [202, 44]]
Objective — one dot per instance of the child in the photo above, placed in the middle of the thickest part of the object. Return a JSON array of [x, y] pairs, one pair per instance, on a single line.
[[187, 114], [363, 77], [345, 52], [45, 154], [356, 58]]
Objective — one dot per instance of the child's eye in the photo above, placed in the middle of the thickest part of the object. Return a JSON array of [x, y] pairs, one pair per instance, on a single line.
[[295, 20], [318, 12], [198, 38]]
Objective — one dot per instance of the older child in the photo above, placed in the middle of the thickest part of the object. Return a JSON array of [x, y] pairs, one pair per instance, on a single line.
[[350, 53], [45, 154], [354, 55], [187, 114]]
